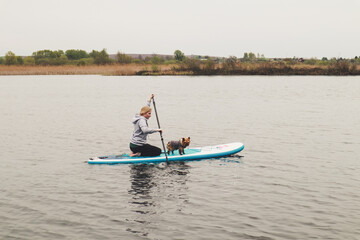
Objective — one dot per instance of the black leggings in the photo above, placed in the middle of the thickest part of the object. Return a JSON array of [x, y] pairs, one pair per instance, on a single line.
[[146, 150]]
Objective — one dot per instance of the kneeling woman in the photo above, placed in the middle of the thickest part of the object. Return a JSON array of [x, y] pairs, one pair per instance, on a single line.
[[138, 144]]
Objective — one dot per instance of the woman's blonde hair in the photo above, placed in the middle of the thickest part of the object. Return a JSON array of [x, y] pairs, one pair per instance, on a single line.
[[144, 110]]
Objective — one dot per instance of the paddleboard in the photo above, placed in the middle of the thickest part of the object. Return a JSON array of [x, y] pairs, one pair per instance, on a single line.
[[191, 154]]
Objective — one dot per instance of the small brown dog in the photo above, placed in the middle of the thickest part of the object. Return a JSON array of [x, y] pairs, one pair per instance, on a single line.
[[181, 144]]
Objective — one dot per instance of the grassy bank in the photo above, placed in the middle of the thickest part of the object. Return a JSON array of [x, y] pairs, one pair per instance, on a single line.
[[266, 68]]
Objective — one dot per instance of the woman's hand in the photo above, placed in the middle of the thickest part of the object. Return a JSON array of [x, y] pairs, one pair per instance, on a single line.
[[160, 131], [151, 97]]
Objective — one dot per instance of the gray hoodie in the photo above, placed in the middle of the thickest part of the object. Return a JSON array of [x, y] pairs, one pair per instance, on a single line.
[[141, 129]]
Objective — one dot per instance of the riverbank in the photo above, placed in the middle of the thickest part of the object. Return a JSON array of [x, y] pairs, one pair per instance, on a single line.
[[338, 69], [129, 69]]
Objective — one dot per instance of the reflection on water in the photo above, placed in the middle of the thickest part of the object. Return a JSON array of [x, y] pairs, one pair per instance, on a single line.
[[153, 187]]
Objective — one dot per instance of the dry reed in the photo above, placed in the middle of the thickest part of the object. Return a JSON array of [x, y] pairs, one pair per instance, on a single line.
[[144, 69], [129, 69]]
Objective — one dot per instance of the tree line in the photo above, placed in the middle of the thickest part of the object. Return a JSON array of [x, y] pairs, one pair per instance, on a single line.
[[81, 58]]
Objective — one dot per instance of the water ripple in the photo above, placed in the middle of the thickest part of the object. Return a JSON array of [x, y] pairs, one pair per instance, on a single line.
[[297, 178]]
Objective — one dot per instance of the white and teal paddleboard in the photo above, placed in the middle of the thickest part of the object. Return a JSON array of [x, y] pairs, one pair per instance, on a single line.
[[191, 154]]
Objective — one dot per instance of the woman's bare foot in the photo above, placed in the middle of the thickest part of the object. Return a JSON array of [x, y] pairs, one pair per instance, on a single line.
[[134, 154]]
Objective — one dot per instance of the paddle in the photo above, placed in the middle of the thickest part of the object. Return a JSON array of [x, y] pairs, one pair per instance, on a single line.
[[162, 139]]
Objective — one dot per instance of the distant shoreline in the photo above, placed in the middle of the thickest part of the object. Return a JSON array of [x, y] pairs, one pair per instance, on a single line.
[[79, 62], [175, 69]]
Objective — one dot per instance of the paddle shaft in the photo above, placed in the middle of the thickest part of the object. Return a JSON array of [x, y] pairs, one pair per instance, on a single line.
[[162, 139]]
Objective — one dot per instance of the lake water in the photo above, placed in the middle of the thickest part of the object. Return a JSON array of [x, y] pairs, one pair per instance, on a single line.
[[297, 178]]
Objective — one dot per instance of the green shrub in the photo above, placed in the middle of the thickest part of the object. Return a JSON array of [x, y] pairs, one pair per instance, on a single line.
[[47, 54], [123, 58], [156, 59], [73, 54], [171, 61], [179, 55], [10, 58], [311, 61], [84, 62], [29, 61], [62, 60], [137, 61], [100, 58], [20, 60]]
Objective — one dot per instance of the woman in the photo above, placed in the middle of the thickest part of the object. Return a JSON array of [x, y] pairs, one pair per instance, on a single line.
[[138, 144]]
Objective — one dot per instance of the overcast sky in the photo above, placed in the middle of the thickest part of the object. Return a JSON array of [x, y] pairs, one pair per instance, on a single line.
[[275, 28]]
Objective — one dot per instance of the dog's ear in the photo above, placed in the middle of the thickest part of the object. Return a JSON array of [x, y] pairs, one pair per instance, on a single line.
[[183, 139], [189, 137]]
